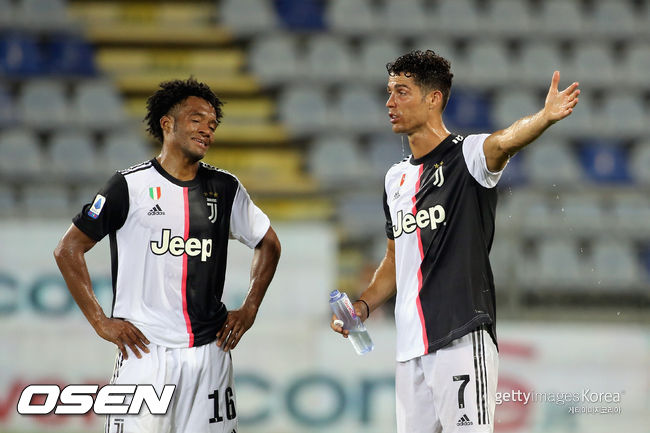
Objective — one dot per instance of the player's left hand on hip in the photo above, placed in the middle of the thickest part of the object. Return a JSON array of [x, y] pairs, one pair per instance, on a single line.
[[559, 105], [237, 323]]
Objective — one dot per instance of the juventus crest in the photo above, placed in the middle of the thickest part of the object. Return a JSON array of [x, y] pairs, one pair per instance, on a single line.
[[212, 204], [438, 175]]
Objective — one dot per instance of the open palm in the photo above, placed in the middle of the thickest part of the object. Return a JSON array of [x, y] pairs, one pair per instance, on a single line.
[[559, 105]]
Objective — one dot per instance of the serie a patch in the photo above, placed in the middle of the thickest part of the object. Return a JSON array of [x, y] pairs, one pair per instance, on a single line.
[[96, 208]]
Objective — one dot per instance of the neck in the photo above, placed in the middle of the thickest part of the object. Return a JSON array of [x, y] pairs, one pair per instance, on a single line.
[[177, 164], [427, 138]]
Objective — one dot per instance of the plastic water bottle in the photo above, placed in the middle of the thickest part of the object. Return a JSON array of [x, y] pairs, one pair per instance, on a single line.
[[343, 309]]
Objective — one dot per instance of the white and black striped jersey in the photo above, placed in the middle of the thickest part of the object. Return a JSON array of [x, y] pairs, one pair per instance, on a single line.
[[440, 212], [169, 241]]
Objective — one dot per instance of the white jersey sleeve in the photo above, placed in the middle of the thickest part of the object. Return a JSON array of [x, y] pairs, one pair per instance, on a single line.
[[476, 163], [248, 224]]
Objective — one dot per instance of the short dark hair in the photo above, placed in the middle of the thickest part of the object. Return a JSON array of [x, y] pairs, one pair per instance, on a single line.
[[172, 93], [429, 71]]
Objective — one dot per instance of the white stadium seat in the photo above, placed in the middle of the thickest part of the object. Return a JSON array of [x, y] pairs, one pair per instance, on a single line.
[[275, 59], [357, 17], [20, 155], [43, 104], [328, 59]]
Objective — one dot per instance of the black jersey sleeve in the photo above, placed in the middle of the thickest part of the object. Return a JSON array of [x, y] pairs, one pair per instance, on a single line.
[[389, 220], [108, 210]]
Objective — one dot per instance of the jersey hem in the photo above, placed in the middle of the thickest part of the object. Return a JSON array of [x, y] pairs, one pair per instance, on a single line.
[[483, 319]]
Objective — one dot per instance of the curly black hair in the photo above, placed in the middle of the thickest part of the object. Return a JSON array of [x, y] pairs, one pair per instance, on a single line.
[[429, 71], [172, 93]]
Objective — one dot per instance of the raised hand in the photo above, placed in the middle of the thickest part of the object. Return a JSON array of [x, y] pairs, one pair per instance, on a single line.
[[559, 105]]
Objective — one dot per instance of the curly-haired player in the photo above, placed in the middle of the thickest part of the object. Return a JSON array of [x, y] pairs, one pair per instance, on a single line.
[[169, 220], [440, 204]]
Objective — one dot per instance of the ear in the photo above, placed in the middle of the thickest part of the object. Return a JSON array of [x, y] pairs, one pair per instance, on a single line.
[[167, 124], [434, 98]]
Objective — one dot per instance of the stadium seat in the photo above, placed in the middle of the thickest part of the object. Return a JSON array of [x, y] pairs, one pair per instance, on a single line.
[[560, 265], [604, 161], [561, 18], [580, 213], [441, 46], [384, 150], [550, 161], [70, 55], [360, 109], [537, 62], [8, 112], [508, 18], [7, 17], [489, 64], [538, 217], [394, 16], [43, 14], [360, 215], [625, 114], [248, 17], [457, 18], [630, 213], [20, 56], [304, 110], [357, 17], [275, 59], [301, 15], [123, 149], [7, 201], [43, 105], [39, 201], [511, 105], [335, 160], [515, 173], [97, 105], [586, 118], [615, 265], [637, 63], [593, 65], [504, 256], [639, 163], [328, 59], [72, 156], [468, 111], [612, 18], [20, 155], [374, 54]]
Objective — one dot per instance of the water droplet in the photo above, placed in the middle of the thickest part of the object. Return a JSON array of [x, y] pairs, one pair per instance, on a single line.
[[618, 313], [557, 197], [562, 209], [581, 251]]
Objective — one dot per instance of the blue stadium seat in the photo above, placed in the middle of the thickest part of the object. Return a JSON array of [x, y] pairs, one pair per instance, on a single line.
[[20, 56], [604, 162], [515, 172], [70, 55], [301, 14], [468, 111]]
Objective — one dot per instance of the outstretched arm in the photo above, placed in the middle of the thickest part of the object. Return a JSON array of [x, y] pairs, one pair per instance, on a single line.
[[503, 144], [381, 288], [265, 261], [69, 255]]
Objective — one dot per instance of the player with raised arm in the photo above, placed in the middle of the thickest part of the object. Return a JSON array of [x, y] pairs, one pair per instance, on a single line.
[[169, 220], [440, 205]]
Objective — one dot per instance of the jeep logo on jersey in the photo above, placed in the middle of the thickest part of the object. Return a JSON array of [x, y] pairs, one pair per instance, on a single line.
[[408, 223], [438, 176], [176, 246]]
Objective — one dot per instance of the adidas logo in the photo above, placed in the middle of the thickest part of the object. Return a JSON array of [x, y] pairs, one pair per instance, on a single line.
[[464, 420], [156, 210]]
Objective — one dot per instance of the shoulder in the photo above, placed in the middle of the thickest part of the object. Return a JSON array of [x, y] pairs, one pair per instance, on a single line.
[[136, 168], [219, 174]]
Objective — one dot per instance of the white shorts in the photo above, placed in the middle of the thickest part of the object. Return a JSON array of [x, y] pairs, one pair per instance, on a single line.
[[450, 390], [204, 399]]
